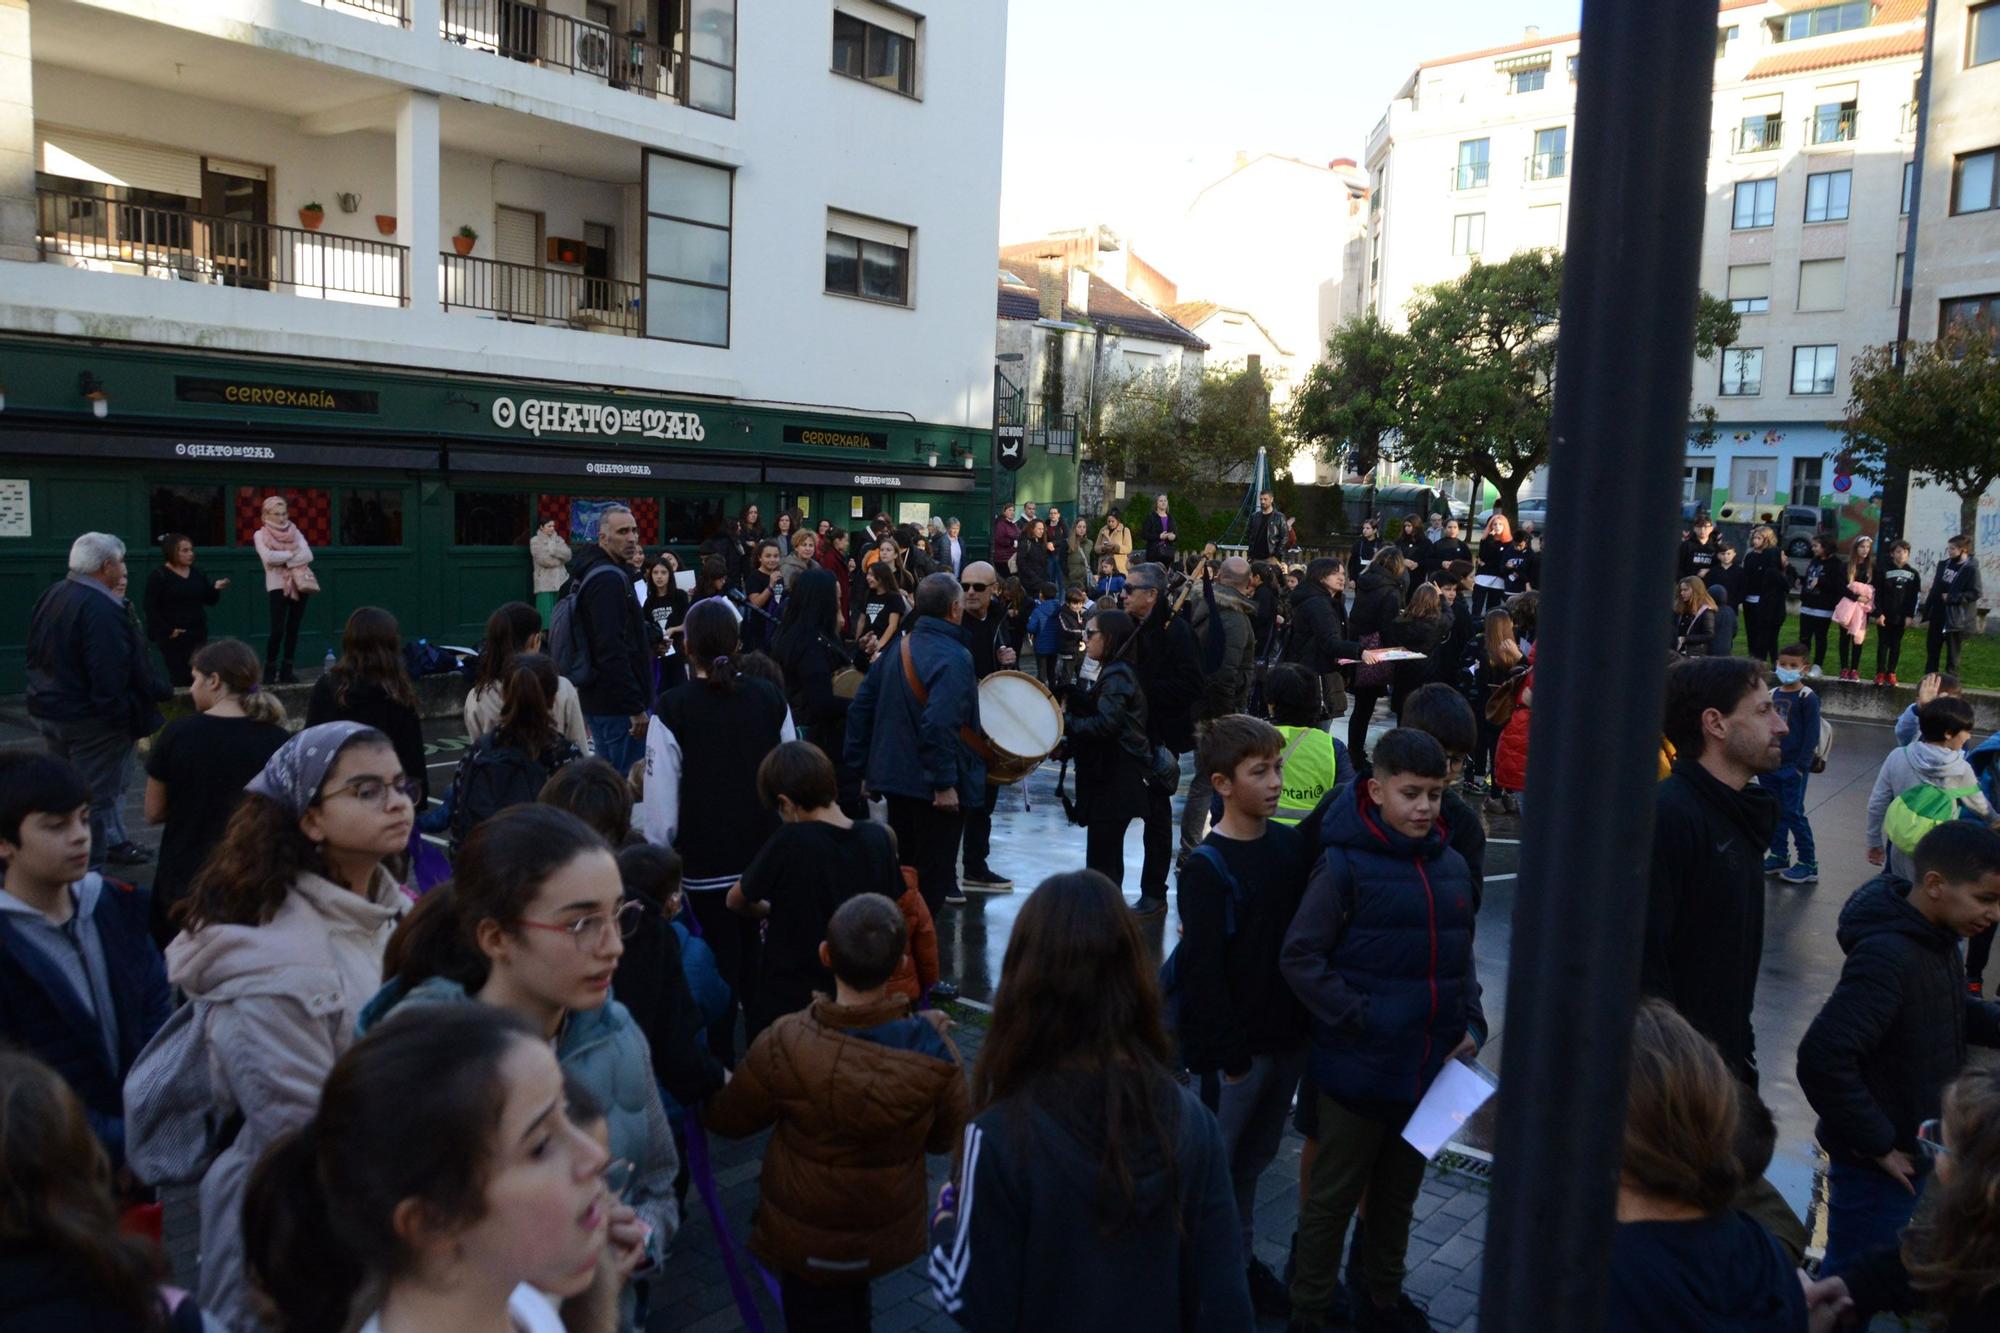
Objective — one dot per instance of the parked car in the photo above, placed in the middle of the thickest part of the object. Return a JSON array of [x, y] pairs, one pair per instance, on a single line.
[[1532, 509]]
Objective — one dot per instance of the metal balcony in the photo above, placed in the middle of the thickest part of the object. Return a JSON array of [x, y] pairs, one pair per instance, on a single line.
[[551, 297], [528, 33]]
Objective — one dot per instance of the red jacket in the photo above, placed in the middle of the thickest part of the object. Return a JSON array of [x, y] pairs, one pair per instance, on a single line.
[[1510, 759]]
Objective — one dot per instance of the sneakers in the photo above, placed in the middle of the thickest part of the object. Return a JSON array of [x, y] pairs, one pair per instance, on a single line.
[[1776, 865], [1890, 680], [983, 880], [1267, 1294], [1805, 872], [1405, 1316], [1149, 906], [127, 854], [954, 897], [1881, 678]]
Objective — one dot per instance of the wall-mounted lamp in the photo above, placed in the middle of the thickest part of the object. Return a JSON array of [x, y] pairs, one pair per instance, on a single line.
[[962, 454], [92, 388], [927, 452]]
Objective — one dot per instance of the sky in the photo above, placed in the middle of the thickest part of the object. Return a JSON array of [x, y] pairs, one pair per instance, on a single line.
[[1118, 111]]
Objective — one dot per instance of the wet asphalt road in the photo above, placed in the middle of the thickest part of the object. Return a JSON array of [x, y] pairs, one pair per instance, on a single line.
[[1032, 840]]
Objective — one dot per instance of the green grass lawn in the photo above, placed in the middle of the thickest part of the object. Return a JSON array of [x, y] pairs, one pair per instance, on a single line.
[[1979, 664]]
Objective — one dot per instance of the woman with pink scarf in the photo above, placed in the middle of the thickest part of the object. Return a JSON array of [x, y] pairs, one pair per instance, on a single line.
[[288, 581]]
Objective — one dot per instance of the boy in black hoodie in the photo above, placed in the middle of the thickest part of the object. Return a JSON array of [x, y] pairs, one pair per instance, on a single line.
[[1875, 1063], [1238, 892], [1951, 606], [1897, 587]]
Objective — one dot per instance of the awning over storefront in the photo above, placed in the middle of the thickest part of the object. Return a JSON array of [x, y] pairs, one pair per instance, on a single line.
[[925, 479], [608, 466], [305, 451]]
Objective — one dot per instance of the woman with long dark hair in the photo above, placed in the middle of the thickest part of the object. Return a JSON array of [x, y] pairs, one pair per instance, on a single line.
[[199, 766], [512, 629], [64, 1261], [1420, 629], [1105, 737], [714, 731], [370, 685], [665, 607], [1859, 598], [884, 613], [178, 596], [807, 648], [283, 940], [1694, 618], [510, 764], [1085, 1156], [1378, 600], [1820, 590]]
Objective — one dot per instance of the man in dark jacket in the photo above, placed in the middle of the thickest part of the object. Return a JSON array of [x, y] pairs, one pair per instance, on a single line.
[[1698, 549], [991, 640], [619, 697], [1268, 530], [1951, 606], [92, 686], [908, 737], [1219, 616], [1875, 1063], [1169, 665]]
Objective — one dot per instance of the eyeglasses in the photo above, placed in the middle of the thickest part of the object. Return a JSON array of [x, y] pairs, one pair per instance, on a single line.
[[617, 1177], [375, 791], [974, 587], [588, 932], [1930, 1137]]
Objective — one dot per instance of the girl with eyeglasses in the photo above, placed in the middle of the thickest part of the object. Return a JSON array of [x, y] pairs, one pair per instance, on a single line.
[[284, 931], [534, 921], [443, 1182]]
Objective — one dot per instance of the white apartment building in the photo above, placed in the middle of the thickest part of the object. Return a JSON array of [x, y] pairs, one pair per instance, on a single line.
[[1812, 132], [679, 230]]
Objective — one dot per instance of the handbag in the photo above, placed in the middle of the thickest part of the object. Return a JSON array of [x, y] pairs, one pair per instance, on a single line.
[[304, 580], [1502, 698]]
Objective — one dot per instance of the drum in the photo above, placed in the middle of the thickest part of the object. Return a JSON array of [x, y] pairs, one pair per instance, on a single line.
[[1022, 722], [847, 682]]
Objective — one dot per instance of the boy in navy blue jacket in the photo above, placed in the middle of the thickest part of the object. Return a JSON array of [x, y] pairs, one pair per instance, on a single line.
[[81, 982], [1800, 708], [1380, 954]]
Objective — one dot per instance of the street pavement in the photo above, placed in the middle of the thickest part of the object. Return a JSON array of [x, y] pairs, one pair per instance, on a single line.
[[1032, 840]]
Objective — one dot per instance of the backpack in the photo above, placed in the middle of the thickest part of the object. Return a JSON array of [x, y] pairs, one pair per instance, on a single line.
[[176, 1123], [492, 777], [569, 646], [1825, 746], [1170, 971], [1918, 810]]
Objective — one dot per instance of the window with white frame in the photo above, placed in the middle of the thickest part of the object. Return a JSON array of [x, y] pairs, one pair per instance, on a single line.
[[1756, 204], [1975, 182], [1468, 233], [1813, 368], [1528, 80], [1827, 195], [867, 258], [1742, 372], [1551, 156], [689, 212], [1822, 284], [1750, 288], [876, 44], [1472, 164]]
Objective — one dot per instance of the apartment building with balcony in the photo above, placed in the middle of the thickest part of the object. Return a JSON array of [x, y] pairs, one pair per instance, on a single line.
[[1812, 135], [440, 269]]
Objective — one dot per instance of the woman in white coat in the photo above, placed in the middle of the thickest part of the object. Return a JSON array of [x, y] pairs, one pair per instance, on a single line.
[[550, 552], [288, 582]]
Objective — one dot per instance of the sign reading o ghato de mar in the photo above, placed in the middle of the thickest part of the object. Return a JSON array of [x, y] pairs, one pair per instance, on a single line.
[[539, 416]]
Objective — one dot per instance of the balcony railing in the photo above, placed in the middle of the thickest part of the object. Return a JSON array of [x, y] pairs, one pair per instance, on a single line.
[[384, 11], [1831, 126], [89, 231], [1469, 176], [540, 295], [1546, 166], [1758, 136], [526, 32]]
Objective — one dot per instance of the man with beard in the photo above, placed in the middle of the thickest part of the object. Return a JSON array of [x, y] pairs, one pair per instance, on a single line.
[[987, 635]]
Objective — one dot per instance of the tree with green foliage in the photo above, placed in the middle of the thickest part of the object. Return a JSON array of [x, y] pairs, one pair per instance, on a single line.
[[1185, 430], [1469, 390], [1938, 414]]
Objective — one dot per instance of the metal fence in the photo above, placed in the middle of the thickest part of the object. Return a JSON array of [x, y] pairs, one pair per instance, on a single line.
[[395, 10], [91, 231], [522, 31], [540, 295]]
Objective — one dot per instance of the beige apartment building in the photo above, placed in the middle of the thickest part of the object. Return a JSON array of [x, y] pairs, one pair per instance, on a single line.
[[1810, 175]]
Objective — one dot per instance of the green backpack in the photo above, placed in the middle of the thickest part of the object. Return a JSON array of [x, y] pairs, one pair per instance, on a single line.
[[1919, 810]]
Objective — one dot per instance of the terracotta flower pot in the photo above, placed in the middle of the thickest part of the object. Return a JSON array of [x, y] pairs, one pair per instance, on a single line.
[[385, 223], [310, 218], [464, 244]]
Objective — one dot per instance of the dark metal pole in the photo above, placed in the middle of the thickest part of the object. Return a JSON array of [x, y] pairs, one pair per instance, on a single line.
[[1624, 371], [1895, 496]]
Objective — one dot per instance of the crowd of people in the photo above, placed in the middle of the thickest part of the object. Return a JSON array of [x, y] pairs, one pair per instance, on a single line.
[[418, 1055]]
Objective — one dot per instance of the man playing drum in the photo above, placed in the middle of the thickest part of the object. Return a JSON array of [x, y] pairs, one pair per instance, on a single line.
[[991, 641]]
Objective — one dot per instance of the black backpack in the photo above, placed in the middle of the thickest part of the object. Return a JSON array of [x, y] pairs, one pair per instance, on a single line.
[[492, 777]]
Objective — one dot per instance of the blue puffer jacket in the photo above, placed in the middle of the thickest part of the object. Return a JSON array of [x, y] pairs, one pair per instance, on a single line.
[[606, 1052], [1380, 953], [886, 726]]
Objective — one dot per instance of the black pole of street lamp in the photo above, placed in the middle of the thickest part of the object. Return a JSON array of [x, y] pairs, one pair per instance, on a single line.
[[1624, 371]]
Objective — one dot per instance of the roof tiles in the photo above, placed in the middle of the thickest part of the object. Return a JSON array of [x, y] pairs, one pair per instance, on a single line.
[[1847, 53]]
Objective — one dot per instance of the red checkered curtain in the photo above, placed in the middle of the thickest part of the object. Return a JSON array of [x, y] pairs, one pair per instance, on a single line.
[[310, 507], [557, 509]]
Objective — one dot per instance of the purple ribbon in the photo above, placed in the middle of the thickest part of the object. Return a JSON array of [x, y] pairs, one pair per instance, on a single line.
[[701, 1169]]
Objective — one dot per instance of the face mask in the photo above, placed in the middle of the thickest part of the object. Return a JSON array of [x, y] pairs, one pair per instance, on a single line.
[[1787, 676]]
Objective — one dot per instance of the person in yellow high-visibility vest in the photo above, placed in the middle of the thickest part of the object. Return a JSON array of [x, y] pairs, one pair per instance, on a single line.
[[1314, 762]]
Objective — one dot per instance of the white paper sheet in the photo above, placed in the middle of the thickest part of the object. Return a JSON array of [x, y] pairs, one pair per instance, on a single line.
[[1459, 1090]]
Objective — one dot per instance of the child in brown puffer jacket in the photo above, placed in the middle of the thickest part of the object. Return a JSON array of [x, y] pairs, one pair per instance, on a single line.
[[859, 1091]]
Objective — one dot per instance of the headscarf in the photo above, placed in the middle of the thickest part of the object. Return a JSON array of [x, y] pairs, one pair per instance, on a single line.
[[293, 776]]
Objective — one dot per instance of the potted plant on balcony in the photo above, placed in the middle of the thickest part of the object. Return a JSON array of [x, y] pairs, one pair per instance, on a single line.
[[311, 216], [464, 241], [385, 223]]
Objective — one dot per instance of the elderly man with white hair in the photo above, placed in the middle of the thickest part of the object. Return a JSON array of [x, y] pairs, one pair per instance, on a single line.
[[92, 686]]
